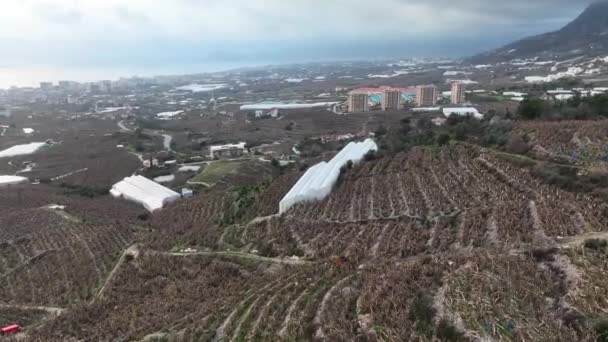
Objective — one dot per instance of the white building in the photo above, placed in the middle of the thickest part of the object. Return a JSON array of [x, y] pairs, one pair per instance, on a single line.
[[187, 193], [462, 111], [230, 150]]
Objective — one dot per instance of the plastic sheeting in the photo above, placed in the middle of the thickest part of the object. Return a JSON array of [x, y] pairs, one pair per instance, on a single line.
[[151, 195], [20, 150], [10, 180], [319, 180]]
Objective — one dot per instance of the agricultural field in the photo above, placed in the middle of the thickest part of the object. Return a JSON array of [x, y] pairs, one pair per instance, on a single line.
[[304, 123], [449, 243], [452, 298], [576, 142], [228, 173], [57, 250], [425, 201]]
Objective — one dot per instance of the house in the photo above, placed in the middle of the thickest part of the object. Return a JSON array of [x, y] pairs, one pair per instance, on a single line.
[[187, 193], [228, 151], [148, 163]]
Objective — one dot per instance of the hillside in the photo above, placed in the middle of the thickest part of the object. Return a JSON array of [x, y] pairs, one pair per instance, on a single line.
[[455, 243], [586, 35]]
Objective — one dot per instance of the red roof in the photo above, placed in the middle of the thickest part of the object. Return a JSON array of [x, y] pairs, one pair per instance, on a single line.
[[382, 89], [11, 329]]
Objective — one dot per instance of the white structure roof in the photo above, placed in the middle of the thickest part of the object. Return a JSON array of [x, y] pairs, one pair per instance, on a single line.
[[559, 91], [22, 149], [462, 111], [202, 88], [267, 106], [426, 109], [514, 94], [216, 148], [169, 114], [10, 180], [320, 179], [151, 195]]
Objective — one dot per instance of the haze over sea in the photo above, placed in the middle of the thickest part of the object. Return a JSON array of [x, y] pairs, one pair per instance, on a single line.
[[31, 76]]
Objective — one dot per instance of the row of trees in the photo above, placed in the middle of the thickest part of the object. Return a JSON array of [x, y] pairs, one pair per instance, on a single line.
[[577, 107]]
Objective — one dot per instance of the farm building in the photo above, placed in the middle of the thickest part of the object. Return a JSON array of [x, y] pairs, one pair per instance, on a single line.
[[227, 151], [138, 189], [320, 179]]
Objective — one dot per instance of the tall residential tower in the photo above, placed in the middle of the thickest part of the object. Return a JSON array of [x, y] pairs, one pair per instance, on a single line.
[[358, 102], [426, 95], [391, 99], [458, 93]]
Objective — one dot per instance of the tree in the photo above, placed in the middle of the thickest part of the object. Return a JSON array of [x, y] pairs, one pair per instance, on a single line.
[[531, 108], [443, 139], [381, 131]]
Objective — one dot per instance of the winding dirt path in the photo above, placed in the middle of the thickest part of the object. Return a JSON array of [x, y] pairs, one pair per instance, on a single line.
[[284, 261], [132, 250], [51, 310]]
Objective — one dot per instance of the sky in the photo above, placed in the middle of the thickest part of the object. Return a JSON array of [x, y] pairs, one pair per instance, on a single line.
[[90, 38]]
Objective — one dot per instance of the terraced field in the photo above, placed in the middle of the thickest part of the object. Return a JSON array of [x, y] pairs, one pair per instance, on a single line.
[[56, 255], [576, 142], [453, 244], [407, 205]]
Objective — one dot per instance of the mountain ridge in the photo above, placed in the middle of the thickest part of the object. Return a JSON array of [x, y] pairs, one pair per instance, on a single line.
[[585, 35]]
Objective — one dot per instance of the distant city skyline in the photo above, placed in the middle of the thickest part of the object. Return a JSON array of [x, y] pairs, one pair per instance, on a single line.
[[147, 37]]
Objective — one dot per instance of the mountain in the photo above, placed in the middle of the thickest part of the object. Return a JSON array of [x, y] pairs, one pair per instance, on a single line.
[[587, 34]]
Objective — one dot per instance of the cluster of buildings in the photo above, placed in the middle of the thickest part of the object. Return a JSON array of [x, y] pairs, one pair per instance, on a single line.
[[104, 86], [359, 100]]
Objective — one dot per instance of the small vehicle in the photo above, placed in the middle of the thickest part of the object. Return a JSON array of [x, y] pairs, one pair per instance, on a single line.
[[11, 329]]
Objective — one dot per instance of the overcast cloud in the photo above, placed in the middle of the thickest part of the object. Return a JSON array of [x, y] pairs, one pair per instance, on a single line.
[[157, 32]]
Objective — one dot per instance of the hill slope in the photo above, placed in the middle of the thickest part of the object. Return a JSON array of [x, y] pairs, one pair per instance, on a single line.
[[587, 34]]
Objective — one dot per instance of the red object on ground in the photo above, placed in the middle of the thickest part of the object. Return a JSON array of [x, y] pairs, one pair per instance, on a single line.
[[11, 329]]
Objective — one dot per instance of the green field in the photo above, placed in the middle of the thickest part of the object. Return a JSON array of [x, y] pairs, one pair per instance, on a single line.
[[216, 171]]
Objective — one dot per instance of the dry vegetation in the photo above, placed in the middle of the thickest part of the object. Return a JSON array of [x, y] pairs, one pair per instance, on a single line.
[[53, 257], [449, 243], [577, 142]]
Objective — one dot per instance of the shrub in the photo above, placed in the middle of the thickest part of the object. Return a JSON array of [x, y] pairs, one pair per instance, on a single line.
[[544, 254], [381, 131], [517, 145], [370, 155], [443, 139], [601, 328], [596, 244], [447, 332], [423, 312], [84, 191]]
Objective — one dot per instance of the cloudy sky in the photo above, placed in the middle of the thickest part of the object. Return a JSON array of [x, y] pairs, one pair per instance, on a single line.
[[162, 34]]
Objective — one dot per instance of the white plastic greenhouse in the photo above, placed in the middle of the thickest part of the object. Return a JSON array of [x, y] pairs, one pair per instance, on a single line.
[[151, 195], [319, 180]]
